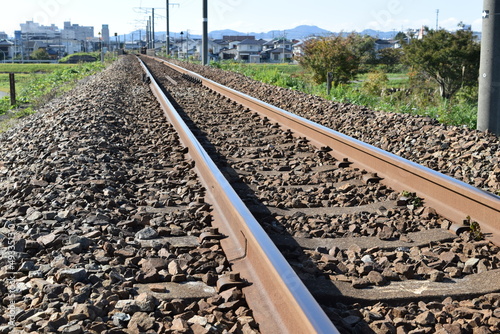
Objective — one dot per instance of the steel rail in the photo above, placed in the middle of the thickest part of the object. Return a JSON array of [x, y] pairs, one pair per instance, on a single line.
[[451, 198], [279, 300]]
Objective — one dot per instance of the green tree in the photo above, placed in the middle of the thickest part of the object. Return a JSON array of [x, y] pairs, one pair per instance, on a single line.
[[364, 47], [401, 37], [40, 54], [336, 54], [390, 57], [451, 59]]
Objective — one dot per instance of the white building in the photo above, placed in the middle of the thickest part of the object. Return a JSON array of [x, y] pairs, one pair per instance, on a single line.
[[75, 31], [33, 30]]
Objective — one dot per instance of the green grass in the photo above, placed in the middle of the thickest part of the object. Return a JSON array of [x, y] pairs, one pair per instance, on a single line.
[[25, 73], [21, 80], [31, 68], [37, 89], [421, 99]]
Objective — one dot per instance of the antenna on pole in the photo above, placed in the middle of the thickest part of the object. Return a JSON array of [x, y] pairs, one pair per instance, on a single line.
[[437, 19]]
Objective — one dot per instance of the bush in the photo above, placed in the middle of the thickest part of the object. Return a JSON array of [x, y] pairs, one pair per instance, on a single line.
[[375, 83]]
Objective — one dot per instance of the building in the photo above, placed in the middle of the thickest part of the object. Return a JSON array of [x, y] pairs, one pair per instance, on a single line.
[[381, 44], [34, 31], [75, 31], [237, 38], [298, 50], [3, 35], [278, 50], [6, 49], [218, 45], [249, 50], [105, 34]]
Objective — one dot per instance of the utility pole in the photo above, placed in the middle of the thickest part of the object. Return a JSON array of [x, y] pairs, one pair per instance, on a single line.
[[167, 49], [488, 117], [204, 56], [147, 35], [153, 29]]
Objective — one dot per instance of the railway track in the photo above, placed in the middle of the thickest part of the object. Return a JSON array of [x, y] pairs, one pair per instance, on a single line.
[[379, 242]]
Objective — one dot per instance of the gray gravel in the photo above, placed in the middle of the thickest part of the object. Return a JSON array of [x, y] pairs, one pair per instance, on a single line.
[[468, 155], [99, 202], [297, 190]]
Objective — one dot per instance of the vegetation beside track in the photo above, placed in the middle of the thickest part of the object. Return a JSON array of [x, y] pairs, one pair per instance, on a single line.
[[41, 84], [403, 91]]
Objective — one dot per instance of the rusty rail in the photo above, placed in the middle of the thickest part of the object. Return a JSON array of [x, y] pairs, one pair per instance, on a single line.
[[278, 298], [453, 199]]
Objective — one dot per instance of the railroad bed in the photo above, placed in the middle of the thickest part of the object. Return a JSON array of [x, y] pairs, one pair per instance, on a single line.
[[468, 155], [113, 230], [108, 220], [374, 260]]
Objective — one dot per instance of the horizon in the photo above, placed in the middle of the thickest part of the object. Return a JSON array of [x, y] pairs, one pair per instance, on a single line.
[[239, 33]]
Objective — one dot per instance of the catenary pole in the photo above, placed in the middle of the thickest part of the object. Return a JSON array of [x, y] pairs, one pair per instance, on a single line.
[[153, 29], [488, 117], [168, 30], [204, 57]]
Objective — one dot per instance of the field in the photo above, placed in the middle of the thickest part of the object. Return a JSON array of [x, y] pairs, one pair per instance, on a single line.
[[38, 83], [25, 72]]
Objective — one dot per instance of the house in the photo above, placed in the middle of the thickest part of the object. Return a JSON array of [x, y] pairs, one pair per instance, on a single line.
[[226, 54], [237, 38], [278, 43], [298, 49], [249, 50], [218, 45], [278, 50], [277, 55], [233, 44], [6, 49], [381, 44], [183, 47]]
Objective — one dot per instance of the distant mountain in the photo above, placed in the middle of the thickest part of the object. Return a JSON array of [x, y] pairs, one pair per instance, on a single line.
[[217, 34], [299, 32], [379, 34]]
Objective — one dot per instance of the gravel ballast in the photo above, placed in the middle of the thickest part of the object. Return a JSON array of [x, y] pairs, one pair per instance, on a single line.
[[103, 212]]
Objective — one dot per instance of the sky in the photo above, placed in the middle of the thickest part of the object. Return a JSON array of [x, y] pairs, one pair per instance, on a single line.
[[248, 16]]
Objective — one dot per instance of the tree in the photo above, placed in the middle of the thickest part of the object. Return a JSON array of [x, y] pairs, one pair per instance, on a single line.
[[336, 54], [401, 37], [364, 47], [40, 54], [451, 59], [390, 57]]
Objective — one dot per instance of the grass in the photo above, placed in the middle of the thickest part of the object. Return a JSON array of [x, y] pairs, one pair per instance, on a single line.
[[25, 72], [416, 98], [37, 89], [21, 80], [31, 68]]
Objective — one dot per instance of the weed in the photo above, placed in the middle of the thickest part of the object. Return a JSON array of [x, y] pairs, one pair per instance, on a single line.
[[40, 88], [415, 93], [412, 199], [475, 229]]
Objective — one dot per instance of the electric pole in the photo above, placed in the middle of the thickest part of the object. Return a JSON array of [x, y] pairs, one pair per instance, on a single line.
[[204, 42], [153, 28], [167, 45], [488, 117], [437, 19], [168, 24]]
